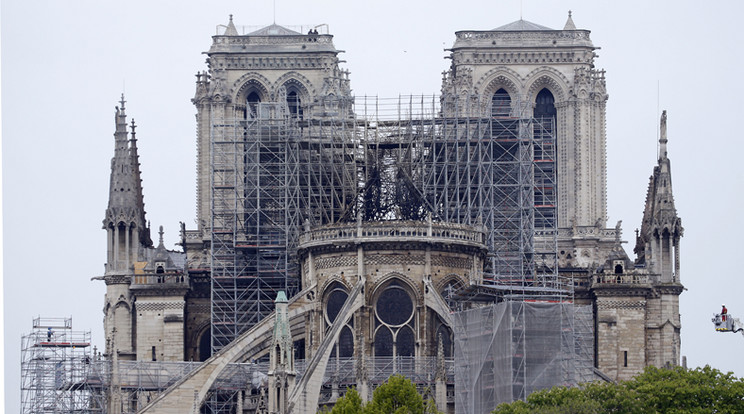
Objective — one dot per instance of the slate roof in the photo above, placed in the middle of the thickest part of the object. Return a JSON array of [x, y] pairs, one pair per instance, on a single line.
[[521, 25], [274, 30]]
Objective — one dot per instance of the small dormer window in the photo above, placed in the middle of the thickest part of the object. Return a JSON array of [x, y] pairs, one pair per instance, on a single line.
[[618, 267], [159, 267]]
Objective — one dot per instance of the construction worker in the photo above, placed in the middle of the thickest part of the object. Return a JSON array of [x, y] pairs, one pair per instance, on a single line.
[[49, 334], [724, 311]]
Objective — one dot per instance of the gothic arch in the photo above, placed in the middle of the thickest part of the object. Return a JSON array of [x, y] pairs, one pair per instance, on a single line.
[[195, 338], [294, 81], [122, 302], [496, 78], [452, 277], [547, 77], [328, 283], [251, 81], [384, 281]]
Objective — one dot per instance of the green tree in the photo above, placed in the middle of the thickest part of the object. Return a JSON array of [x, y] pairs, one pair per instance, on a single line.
[[350, 403], [397, 395], [677, 390]]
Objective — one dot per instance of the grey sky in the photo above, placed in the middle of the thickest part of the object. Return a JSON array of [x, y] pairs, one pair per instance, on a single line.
[[65, 64]]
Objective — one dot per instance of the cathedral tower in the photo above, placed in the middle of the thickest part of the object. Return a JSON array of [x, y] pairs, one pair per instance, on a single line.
[[263, 110], [526, 70]]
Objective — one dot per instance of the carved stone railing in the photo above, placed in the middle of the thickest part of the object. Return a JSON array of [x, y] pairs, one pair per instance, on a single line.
[[554, 37], [165, 279], [314, 42], [192, 235], [585, 231], [393, 230], [622, 279]]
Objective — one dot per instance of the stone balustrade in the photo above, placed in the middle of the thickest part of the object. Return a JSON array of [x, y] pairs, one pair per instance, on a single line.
[[178, 279], [398, 230], [623, 279]]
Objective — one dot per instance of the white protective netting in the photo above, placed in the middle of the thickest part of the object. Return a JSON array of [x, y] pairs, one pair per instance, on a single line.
[[505, 351]]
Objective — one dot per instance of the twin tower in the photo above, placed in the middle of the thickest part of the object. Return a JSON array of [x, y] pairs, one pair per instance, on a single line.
[[514, 148]]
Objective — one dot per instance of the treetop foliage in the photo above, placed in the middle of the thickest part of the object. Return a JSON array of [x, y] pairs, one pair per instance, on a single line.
[[398, 395], [672, 391]]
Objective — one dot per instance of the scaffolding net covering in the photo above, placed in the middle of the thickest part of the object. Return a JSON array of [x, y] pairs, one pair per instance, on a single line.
[[505, 351]]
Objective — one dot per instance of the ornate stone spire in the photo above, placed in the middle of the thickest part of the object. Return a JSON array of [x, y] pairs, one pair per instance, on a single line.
[[125, 215], [658, 244], [569, 23]]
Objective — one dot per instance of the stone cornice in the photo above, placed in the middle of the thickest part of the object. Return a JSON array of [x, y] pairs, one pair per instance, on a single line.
[[161, 290], [476, 56], [117, 279], [620, 289], [669, 288], [278, 62]]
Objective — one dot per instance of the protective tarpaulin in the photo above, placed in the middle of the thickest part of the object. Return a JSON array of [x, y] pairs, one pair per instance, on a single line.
[[505, 351]]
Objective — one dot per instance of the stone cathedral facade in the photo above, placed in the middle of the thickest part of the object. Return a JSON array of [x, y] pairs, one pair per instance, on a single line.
[[256, 237]]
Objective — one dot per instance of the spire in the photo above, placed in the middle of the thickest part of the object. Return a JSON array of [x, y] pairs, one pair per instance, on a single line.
[[569, 23], [231, 30], [661, 229], [125, 215]]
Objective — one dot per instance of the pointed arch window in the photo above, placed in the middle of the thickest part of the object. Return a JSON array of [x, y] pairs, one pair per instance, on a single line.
[[501, 103], [545, 105], [394, 322], [544, 132], [335, 298], [295, 105], [251, 103]]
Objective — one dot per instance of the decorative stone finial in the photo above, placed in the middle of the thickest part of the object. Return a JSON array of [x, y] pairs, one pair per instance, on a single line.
[[161, 235], [663, 136], [569, 23], [122, 102]]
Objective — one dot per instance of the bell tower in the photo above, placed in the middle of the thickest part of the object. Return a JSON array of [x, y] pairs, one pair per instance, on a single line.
[[262, 106], [529, 71]]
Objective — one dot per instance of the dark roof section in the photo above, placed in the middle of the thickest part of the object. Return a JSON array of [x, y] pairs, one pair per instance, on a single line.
[[274, 30], [521, 26]]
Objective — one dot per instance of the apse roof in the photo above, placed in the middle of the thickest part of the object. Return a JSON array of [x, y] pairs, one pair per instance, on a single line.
[[521, 25], [274, 30]]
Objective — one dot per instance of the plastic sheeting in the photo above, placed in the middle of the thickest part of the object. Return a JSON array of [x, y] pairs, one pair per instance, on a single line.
[[505, 351]]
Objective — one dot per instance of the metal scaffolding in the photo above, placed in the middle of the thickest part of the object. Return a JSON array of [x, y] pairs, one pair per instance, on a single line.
[[277, 167], [57, 369], [272, 171], [505, 351]]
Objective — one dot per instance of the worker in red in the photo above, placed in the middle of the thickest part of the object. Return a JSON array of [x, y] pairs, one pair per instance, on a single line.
[[724, 311]]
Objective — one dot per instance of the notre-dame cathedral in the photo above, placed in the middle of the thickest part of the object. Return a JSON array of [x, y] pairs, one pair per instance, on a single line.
[[341, 239]]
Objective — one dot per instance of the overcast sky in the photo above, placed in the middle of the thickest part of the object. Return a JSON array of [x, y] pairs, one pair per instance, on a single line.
[[65, 64]]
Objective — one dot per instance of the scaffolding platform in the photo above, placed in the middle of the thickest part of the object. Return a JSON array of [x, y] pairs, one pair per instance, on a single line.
[[58, 372]]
